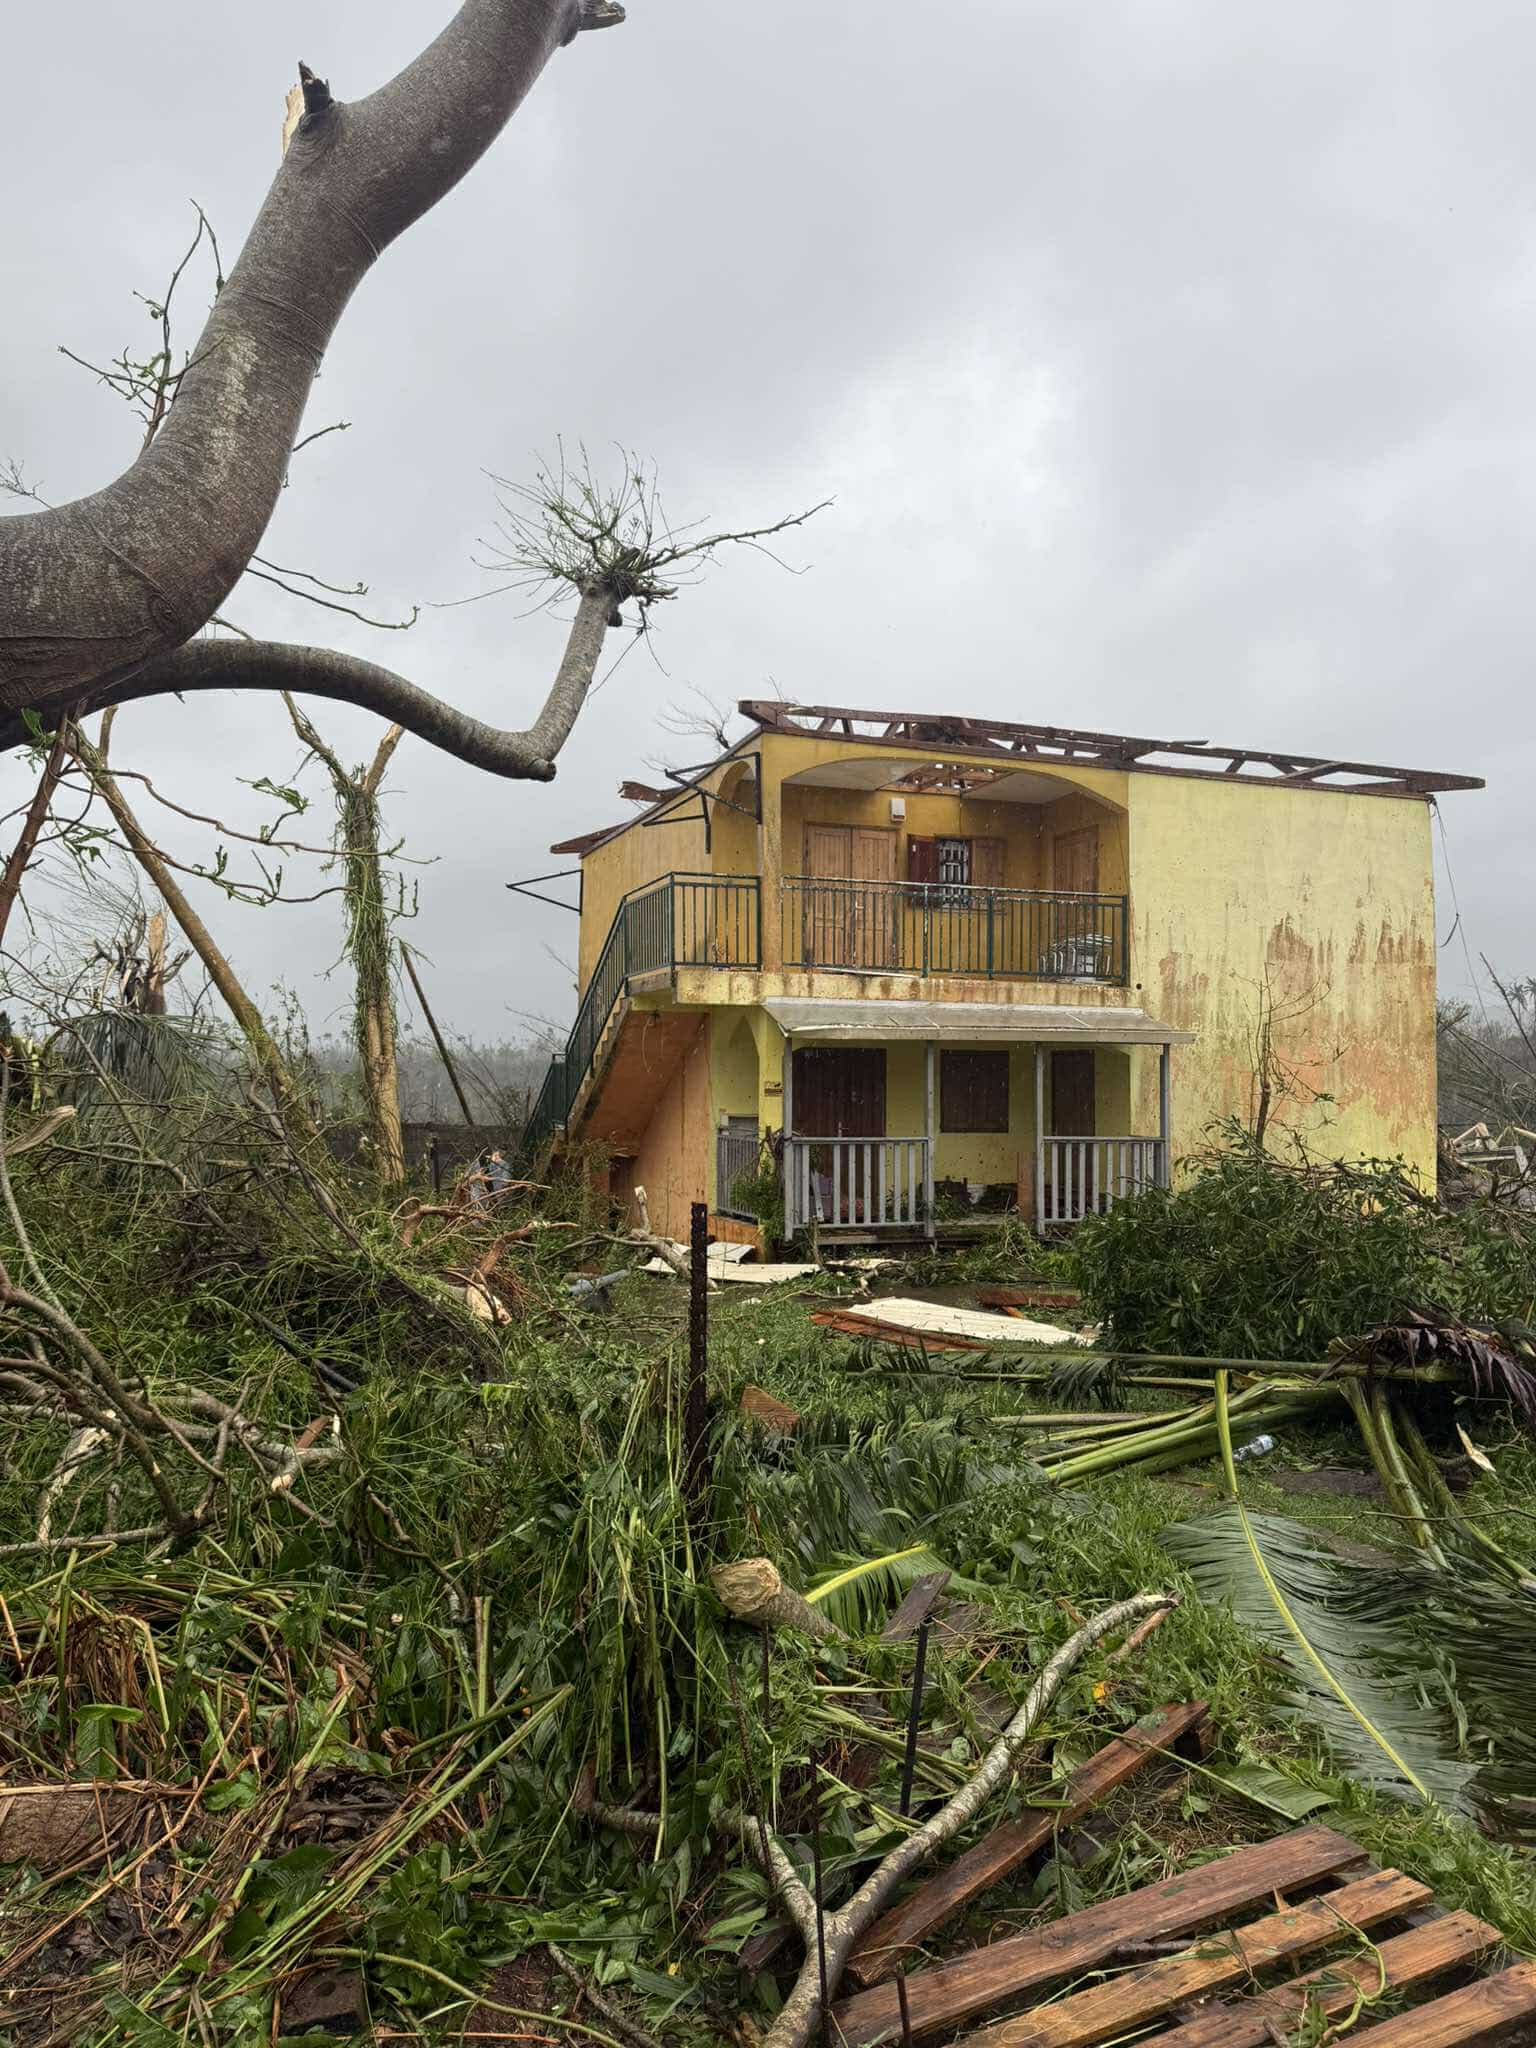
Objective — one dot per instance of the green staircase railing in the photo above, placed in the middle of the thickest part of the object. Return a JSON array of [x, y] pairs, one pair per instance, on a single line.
[[678, 921]]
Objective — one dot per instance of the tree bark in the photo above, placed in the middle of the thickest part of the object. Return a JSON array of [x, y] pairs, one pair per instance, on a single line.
[[21, 853], [527, 756], [368, 941], [92, 590]]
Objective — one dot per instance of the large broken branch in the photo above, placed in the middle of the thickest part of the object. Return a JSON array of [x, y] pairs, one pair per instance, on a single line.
[[274, 665], [92, 590]]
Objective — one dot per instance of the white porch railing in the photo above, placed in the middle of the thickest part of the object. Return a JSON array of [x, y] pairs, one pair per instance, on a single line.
[[857, 1183], [1080, 1177]]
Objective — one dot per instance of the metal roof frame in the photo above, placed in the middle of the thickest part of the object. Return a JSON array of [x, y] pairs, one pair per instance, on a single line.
[[999, 740]]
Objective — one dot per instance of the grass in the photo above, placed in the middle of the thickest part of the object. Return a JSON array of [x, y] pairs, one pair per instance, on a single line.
[[507, 1589]]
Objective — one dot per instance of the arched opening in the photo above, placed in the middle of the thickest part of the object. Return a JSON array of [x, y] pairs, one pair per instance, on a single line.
[[734, 1073], [895, 865], [733, 822]]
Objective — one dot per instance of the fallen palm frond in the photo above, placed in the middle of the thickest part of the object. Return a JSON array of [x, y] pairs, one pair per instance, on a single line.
[[1271, 1573]]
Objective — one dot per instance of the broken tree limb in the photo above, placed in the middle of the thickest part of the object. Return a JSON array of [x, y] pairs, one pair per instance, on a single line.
[[841, 1930], [890, 1941], [752, 1591]]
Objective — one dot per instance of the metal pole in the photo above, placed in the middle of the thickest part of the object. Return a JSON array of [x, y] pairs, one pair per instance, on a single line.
[[696, 1400], [1039, 1140], [792, 1218], [909, 1765], [1164, 1113], [821, 1929], [437, 1037], [929, 1063]]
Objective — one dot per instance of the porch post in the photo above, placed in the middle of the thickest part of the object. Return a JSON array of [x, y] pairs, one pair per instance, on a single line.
[[1164, 1118], [792, 1221], [929, 1134], [1039, 1140]]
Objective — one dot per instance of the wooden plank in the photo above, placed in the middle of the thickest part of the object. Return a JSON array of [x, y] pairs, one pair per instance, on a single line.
[[1447, 1943], [1028, 1297], [916, 1608], [848, 1323], [956, 1991], [1128, 2001], [895, 1934], [1489, 2010]]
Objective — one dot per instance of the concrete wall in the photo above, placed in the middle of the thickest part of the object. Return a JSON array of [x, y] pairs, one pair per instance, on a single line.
[[1315, 910], [675, 1163]]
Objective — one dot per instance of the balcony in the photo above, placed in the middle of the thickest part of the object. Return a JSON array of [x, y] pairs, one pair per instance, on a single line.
[[678, 921], [927, 928]]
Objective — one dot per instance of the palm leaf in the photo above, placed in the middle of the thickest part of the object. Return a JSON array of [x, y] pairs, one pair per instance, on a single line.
[[1360, 1682], [1357, 1670], [861, 1592], [1273, 1576]]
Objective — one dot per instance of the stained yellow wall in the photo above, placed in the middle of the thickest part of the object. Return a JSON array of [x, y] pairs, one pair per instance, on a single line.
[[641, 853], [1317, 907], [675, 1162]]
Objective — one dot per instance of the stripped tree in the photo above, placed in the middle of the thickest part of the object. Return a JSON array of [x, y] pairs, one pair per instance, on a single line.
[[369, 945]]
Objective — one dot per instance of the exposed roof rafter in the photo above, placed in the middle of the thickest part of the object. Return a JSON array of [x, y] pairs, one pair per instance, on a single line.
[[992, 738]]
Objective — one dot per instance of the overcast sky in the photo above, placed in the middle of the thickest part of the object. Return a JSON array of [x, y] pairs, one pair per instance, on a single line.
[[1171, 364]]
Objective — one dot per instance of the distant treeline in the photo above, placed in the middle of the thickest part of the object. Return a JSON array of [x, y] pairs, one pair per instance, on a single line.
[[498, 1079]]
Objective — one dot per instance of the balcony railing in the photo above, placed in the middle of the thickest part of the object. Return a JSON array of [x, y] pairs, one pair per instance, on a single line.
[[1081, 1177], [678, 921], [939, 928], [864, 1183]]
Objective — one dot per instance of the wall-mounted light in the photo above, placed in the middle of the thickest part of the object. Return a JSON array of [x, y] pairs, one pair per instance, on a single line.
[[898, 809]]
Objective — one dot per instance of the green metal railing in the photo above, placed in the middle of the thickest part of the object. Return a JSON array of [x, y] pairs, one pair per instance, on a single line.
[[678, 921], [943, 928]]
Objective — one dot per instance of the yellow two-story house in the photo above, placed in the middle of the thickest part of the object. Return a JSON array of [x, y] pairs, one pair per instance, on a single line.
[[922, 970]]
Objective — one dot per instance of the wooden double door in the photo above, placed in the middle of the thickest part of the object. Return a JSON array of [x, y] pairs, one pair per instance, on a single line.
[[851, 912]]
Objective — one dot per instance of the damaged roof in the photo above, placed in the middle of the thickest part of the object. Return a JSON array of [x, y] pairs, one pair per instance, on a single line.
[[999, 740], [1058, 743]]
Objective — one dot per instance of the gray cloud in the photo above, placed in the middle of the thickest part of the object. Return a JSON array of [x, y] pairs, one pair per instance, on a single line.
[[1169, 363]]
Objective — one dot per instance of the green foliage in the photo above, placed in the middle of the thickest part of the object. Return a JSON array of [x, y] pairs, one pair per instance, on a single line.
[[761, 1194], [1256, 1257]]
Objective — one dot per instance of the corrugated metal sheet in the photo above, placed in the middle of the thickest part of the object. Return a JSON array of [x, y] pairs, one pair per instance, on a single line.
[[879, 1023]]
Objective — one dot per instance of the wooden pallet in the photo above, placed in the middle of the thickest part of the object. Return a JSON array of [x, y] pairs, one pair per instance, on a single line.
[[1205, 1960]]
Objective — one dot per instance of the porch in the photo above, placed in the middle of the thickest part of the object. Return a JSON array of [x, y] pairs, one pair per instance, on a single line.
[[908, 1118]]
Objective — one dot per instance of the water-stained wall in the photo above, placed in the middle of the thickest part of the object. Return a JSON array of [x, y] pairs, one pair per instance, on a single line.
[[1303, 917]]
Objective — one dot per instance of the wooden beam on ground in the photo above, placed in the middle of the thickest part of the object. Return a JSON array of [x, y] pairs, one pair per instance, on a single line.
[[1501, 2008], [1448, 1942], [1125, 2002], [1029, 1297], [953, 1992], [893, 1937], [849, 1323]]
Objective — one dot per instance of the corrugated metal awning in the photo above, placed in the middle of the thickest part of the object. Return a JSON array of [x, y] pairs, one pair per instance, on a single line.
[[872, 1022]]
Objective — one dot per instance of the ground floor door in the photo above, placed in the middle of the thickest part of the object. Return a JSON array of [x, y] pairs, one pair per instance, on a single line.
[[839, 1096], [1072, 1116], [839, 1091], [1072, 1110]]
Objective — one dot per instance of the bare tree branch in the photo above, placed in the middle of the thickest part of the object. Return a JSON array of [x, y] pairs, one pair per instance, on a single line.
[[527, 756]]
